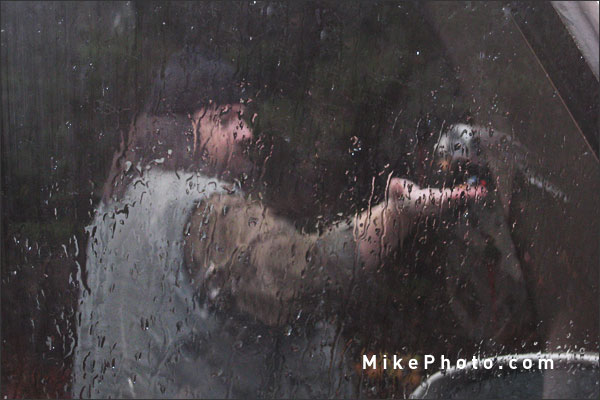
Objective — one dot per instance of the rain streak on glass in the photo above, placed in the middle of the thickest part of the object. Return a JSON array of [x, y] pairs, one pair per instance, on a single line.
[[258, 199]]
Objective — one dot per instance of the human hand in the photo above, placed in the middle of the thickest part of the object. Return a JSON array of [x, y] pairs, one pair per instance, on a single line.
[[407, 196]]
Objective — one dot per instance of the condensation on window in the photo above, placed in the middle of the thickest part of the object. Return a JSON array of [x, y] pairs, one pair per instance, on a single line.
[[264, 199]]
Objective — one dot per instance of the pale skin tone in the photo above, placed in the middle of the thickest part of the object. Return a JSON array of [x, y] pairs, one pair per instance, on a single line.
[[378, 231], [405, 200], [218, 133]]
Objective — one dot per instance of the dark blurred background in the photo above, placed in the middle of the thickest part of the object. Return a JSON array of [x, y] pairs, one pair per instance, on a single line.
[[356, 89]]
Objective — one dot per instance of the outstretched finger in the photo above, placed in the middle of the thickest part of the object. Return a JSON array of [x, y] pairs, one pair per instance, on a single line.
[[468, 192]]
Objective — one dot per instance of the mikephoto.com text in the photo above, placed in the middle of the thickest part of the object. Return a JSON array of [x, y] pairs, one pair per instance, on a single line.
[[429, 361]]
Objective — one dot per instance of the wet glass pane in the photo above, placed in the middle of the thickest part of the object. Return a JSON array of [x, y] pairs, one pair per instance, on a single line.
[[297, 200]]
